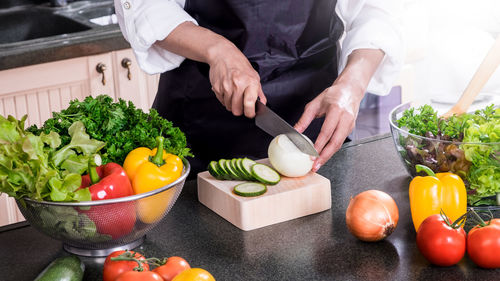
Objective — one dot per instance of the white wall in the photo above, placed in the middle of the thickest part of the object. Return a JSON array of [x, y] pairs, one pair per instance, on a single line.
[[446, 42]]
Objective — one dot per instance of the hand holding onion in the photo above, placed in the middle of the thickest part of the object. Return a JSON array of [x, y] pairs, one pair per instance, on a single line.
[[287, 159], [372, 215]]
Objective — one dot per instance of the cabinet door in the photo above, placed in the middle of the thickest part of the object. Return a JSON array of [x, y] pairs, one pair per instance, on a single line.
[[41, 89], [100, 75], [9, 213], [131, 83]]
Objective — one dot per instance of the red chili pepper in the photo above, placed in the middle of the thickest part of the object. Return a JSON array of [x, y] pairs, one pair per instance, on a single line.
[[107, 181]]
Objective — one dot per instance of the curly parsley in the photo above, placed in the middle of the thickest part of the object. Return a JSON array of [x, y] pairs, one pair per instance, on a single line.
[[120, 124]]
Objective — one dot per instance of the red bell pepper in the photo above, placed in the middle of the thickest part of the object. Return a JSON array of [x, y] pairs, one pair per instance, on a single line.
[[107, 181], [116, 220]]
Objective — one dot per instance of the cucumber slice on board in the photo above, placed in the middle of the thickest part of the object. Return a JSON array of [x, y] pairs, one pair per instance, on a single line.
[[214, 170], [250, 189], [229, 169], [225, 174], [247, 166], [239, 166], [265, 174], [234, 166]]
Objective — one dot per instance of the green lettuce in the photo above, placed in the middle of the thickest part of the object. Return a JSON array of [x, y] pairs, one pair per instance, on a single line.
[[38, 167], [484, 173]]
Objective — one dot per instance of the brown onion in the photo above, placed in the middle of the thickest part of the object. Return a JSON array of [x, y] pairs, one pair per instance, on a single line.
[[372, 215]]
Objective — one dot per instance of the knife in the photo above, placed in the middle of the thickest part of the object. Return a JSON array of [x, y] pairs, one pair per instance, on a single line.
[[274, 125]]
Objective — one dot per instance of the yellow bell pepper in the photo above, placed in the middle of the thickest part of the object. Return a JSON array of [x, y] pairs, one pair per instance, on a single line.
[[148, 170], [431, 194]]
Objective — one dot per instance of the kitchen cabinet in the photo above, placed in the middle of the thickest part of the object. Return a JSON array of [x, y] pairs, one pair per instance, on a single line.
[[38, 90]]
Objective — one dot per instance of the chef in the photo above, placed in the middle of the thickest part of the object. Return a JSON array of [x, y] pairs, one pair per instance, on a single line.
[[310, 61]]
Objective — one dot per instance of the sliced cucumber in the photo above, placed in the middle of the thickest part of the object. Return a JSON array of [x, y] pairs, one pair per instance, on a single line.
[[213, 169], [229, 169], [265, 174], [234, 166], [239, 166], [222, 165], [243, 169], [250, 189], [247, 166]]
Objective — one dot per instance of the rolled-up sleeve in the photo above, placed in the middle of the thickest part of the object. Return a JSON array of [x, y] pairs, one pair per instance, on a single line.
[[374, 24], [143, 22]]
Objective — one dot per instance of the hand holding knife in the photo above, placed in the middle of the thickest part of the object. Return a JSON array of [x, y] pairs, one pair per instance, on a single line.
[[274, 125]]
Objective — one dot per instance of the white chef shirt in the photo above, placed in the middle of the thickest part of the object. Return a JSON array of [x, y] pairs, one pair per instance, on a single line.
[[369, 24]]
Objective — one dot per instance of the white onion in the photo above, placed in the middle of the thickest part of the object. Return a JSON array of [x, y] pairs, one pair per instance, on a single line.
[[287, 159]]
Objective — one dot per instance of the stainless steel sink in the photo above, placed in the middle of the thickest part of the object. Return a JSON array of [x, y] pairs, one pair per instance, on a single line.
[[42, 22], [100, 15], [27, 24]]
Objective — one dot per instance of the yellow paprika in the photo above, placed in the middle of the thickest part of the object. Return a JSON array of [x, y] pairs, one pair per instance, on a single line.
[[148, 170], [431, 194]]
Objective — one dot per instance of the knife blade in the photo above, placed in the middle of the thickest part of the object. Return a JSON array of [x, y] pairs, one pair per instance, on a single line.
[[273, 124]]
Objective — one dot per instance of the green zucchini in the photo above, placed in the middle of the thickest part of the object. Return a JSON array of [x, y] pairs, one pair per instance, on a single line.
[[250, 189], [213, 170], [243, 169], [68, 268], [239, 166], [234, 166], [222, 165], [229, 169], [265, 174], [246, 165]]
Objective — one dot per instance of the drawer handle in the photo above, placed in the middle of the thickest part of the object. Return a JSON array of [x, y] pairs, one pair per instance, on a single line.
[[126, 63], [100, 68]]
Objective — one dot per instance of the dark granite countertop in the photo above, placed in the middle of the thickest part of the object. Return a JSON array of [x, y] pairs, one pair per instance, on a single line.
[[316, 247], [96, 39]]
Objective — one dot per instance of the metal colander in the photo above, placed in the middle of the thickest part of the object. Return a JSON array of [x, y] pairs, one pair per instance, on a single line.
[[97, 228]]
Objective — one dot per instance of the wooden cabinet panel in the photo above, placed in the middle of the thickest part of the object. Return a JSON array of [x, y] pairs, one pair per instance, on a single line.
[[95, 78], [9, 106], [140, 87], [44, 75], [128, 89], [39, 104], [9, 213]]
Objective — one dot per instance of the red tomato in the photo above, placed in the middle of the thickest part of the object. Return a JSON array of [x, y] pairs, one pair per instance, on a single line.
[[139, 276], [113, 269], [439, 243], [174, 266], [483, 245]]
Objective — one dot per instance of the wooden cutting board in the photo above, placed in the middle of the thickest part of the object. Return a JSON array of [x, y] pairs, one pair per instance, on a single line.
[[289, 199]]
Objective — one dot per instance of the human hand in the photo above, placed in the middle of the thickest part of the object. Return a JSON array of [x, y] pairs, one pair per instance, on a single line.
[[235, 83], [339, 104]]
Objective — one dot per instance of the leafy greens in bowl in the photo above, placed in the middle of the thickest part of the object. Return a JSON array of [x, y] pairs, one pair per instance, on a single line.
[[467, 144]]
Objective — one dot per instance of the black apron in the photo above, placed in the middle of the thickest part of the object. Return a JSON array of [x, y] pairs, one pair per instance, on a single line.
[[290, 43]]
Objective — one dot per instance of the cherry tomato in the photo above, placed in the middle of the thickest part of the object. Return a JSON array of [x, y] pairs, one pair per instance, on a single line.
[[439, 243], [113, 269], [194, 274], [139, 276], [483, 245], [174, 266]]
